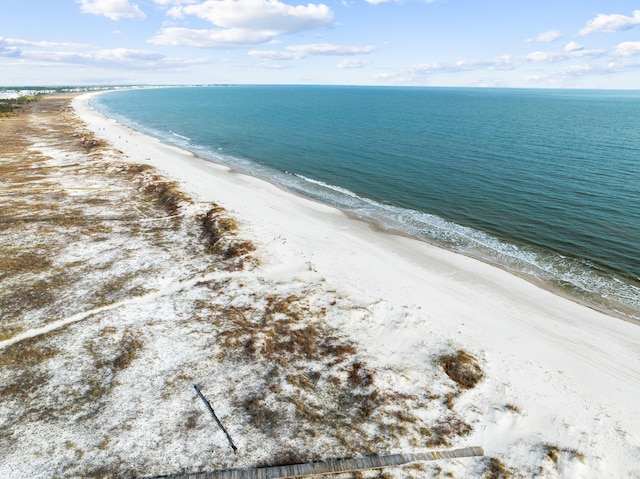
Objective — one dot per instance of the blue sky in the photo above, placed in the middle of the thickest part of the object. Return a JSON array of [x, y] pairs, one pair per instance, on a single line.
[[501, 43]]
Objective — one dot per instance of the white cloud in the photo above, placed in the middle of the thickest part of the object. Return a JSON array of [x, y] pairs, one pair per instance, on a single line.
[[627, 49], [127, 55], [559, 76], [112, 9], [610, 23], [221, 38], [52, 53], [573, 47], [503, 62], [572, 51], [174, 2], [274, 66], [585, 69], [500, 62], [44, 44], [378, 2], [394, 77], [549, 36], [617, 67], [353, 63], [581, 53], [258, 14], [101, 58], [7, 48], [578, 70], [545, 56], [426, 68], [297, 52], [242, 22]]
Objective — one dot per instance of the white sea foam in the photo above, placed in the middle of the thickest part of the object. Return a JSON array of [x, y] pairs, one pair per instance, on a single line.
[[574, 275], [328, 186], [180, 136]]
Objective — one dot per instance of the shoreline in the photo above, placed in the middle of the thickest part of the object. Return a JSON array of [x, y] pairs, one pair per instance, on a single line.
[[534, 280], [203, 164], [597, 300], [569, 367]]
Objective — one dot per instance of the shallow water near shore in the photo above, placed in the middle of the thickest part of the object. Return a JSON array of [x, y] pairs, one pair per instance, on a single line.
[[545, 183]]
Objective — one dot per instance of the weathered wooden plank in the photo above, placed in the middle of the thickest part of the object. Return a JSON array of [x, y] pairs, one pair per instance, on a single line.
[[329, 467], [213, 413]]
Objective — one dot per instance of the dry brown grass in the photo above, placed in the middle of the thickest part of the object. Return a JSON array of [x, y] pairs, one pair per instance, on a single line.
[[216, 225], [495, 469], [285, 331], [553, 452], [17, 261], [109, 354], [117, 288], [126, 353], [17, 299], [26, 354], [23, 369], [332, 389], [513, 408], [462, 368], [449, 399], [47, 218], [447, 428], [104, 471], [220, 231], [89, 142], [114, 350], [310, 368], [166, 193], [40, 218]]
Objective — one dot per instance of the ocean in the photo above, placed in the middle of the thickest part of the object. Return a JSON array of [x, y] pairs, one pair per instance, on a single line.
[[543, 183]]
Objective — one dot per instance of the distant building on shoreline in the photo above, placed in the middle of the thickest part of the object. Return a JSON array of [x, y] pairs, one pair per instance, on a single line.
[[8, 93]]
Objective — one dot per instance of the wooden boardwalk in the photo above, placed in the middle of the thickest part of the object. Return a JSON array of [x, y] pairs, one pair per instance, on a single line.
[[329, 467]]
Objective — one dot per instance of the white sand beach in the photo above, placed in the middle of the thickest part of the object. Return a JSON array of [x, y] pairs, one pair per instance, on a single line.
[[555, 372]]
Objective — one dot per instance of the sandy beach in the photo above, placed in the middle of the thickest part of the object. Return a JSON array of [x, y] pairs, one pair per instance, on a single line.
[[558, 397], [565, 366]]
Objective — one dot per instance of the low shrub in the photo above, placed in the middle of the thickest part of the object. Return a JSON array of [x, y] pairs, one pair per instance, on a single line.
[[462, 369], [495, 469]]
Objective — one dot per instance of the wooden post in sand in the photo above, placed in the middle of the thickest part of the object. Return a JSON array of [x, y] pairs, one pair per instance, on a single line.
[[204, 400]]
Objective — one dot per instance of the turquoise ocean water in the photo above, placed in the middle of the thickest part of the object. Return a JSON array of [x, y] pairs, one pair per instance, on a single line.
[[545, 183]]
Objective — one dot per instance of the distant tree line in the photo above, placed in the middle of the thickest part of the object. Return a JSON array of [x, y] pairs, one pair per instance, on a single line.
[[7, 106]]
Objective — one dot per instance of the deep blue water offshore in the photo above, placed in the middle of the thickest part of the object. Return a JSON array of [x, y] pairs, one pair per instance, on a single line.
[[545, 183]]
